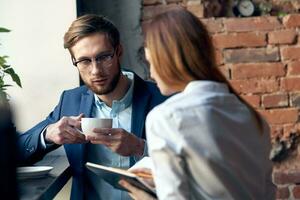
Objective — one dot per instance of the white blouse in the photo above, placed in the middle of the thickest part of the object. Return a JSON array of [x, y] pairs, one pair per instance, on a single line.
[[205, 144]]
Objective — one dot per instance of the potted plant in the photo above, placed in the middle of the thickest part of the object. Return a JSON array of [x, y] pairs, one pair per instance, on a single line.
[[6, 70]]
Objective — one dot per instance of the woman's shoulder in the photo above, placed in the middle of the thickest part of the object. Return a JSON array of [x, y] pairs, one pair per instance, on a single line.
[[195, 99]]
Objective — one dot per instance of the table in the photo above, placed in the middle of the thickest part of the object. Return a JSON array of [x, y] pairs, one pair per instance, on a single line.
[[48, 186]]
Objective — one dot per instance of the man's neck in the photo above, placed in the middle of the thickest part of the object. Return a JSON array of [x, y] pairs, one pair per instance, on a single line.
[[118, 93]]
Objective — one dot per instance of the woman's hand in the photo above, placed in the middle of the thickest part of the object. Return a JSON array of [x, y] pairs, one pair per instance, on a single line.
[[145, 174], [136, 193]]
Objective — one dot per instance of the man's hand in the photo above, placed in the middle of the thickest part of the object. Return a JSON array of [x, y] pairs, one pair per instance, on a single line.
[[118, 140], [65, 131]]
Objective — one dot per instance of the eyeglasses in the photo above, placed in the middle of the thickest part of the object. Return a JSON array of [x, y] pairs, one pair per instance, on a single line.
[[104, 59]]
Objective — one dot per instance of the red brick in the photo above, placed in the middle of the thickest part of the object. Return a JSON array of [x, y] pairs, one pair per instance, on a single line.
[[281, 178], [196, 8], [290, 84], [253, 70], [173, 1], [251, 24], [219, 57], [250, 39], [290, 21], [255, 86], [294, 68], [290, 53], [151, 2], [275, 100], [224, 70], [251, 55], [296, 191], [253, 100], [151, 11], [282, 193], [276, 131], [280, 116], [282, 37], [213, 25], [288, 129]]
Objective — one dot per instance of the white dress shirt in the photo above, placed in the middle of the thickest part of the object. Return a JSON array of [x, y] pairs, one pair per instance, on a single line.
[[205, 144]]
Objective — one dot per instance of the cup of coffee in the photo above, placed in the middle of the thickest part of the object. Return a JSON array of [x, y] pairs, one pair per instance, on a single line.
[[88, 124]]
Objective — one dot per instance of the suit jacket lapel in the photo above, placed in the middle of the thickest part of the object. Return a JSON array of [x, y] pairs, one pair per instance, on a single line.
[[140, 101], [86, 103], [86, 106]]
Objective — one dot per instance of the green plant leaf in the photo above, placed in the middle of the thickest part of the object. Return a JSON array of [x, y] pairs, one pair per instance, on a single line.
[[6, 85], [14, 76], [6, 69], [2, 88], [3, 60], [6, 66], [4, 30], [3, 57]]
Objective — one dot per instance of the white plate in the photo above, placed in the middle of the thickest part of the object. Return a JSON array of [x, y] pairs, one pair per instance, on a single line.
[[33, 171]]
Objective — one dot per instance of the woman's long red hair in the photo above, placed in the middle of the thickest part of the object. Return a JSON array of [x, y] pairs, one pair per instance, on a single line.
[[181, 51]]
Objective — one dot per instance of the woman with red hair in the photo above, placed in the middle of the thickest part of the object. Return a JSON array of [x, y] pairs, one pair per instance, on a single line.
[[205, 141]]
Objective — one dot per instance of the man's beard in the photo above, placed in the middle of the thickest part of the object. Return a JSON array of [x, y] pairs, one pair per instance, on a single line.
[[108, 88]]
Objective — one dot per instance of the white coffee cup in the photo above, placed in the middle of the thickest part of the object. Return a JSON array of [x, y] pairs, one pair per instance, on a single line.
[[88, 124]]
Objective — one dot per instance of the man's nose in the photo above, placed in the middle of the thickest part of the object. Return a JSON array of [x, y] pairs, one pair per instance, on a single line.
[[96, 67]]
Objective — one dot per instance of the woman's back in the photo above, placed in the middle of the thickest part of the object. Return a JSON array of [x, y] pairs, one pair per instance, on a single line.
[[206, 144], [205, 141]]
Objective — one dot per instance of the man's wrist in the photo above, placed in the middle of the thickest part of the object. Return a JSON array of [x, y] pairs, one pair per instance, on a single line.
[[140, 148], [43, 140], [144, 150], [47, 141]]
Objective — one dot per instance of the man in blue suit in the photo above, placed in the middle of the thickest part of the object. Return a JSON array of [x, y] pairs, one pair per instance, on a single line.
[[94, 44]]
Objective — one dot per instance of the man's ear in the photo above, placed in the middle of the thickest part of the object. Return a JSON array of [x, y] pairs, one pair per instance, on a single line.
[[119, 51]]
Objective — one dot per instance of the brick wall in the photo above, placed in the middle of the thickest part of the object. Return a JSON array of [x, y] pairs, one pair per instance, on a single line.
[[261, 58]]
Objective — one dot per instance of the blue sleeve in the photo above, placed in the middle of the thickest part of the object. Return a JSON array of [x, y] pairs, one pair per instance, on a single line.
[[29, 145]]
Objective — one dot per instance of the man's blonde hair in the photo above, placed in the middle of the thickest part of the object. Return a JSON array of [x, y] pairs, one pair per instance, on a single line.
[[90, 24]]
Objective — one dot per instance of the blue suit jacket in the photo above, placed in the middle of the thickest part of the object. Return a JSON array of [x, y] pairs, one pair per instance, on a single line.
[[80, 100]]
